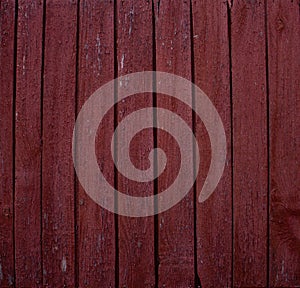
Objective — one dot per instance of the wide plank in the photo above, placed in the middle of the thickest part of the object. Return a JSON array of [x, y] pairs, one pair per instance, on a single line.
[[28, 144], [284, 124], [212, 75], [57, 165], [250, 150]]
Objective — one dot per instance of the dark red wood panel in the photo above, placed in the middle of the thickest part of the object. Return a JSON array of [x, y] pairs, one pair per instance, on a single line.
[[243, 54], [7, 33], [175, 226], [134, 53], [57, 164], [250, 156], [284, 83], [212, 75], [96, 227], [28, 145]]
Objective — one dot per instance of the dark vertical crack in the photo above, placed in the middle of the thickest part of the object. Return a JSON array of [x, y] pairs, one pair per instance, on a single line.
[[154, 100], [197, 278], [76, 262], [158, 7], [229, 7]]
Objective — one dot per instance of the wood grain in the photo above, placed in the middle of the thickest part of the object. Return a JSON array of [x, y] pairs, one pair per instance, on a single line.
[[284, 83], [28, 145], [134, 53], [7, 33], [175, 226], [245, 56], [57, 164], [96, 227], [212, 75], [250, 156]]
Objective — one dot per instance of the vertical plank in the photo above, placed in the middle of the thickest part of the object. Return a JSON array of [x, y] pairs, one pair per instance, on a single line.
[[176, 226], [284, 75], [250, 173], [58, 122], [134, 53], [28, 145], [212, 75], [96, 227], [7, 33]]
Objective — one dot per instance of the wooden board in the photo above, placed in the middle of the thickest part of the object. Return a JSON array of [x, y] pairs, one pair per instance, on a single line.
[[134, 53], [96, 228], [212, 75], [250, 155], [58, 121], [7, 33], [175, 226], [284, 83], [28, 252]]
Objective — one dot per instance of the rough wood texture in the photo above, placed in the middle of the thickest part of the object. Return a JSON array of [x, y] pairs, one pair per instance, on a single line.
[[57, 164], [96, 227], [212, 75], [284, 83], [53, 57], [175, 226], [134, 53], [250, 157], [7, 23], [28, 145]]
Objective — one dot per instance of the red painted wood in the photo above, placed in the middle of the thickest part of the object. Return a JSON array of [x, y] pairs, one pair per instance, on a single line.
[[33, 257], [250, 157], [28, 145], [96, 227], [284, 75], [212, 75], [7, 23], [134, 53], [176, 226], [58, 122]]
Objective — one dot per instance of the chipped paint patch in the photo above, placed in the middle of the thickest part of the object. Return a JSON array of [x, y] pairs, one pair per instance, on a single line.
[[23, 65], [131, 19], [64, 264], [10, 280], [98, 47], [122, 61]]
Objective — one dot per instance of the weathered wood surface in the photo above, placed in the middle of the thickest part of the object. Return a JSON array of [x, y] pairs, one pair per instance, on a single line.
[[134, 54], [58, 257], [95, 238], [28, 249], [284, 82], [250, 150], [243, 54], [212, 75], [7, 88]]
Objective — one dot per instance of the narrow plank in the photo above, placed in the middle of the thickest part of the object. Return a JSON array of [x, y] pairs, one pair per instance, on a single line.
[[284, 75], [28, 145], [7, 33], [176, 226], [212, 75], [57, 164], [250, 173], [134, 53], [96, 227]]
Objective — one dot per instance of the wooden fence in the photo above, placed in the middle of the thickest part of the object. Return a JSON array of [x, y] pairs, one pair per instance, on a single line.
[[244, 54]]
